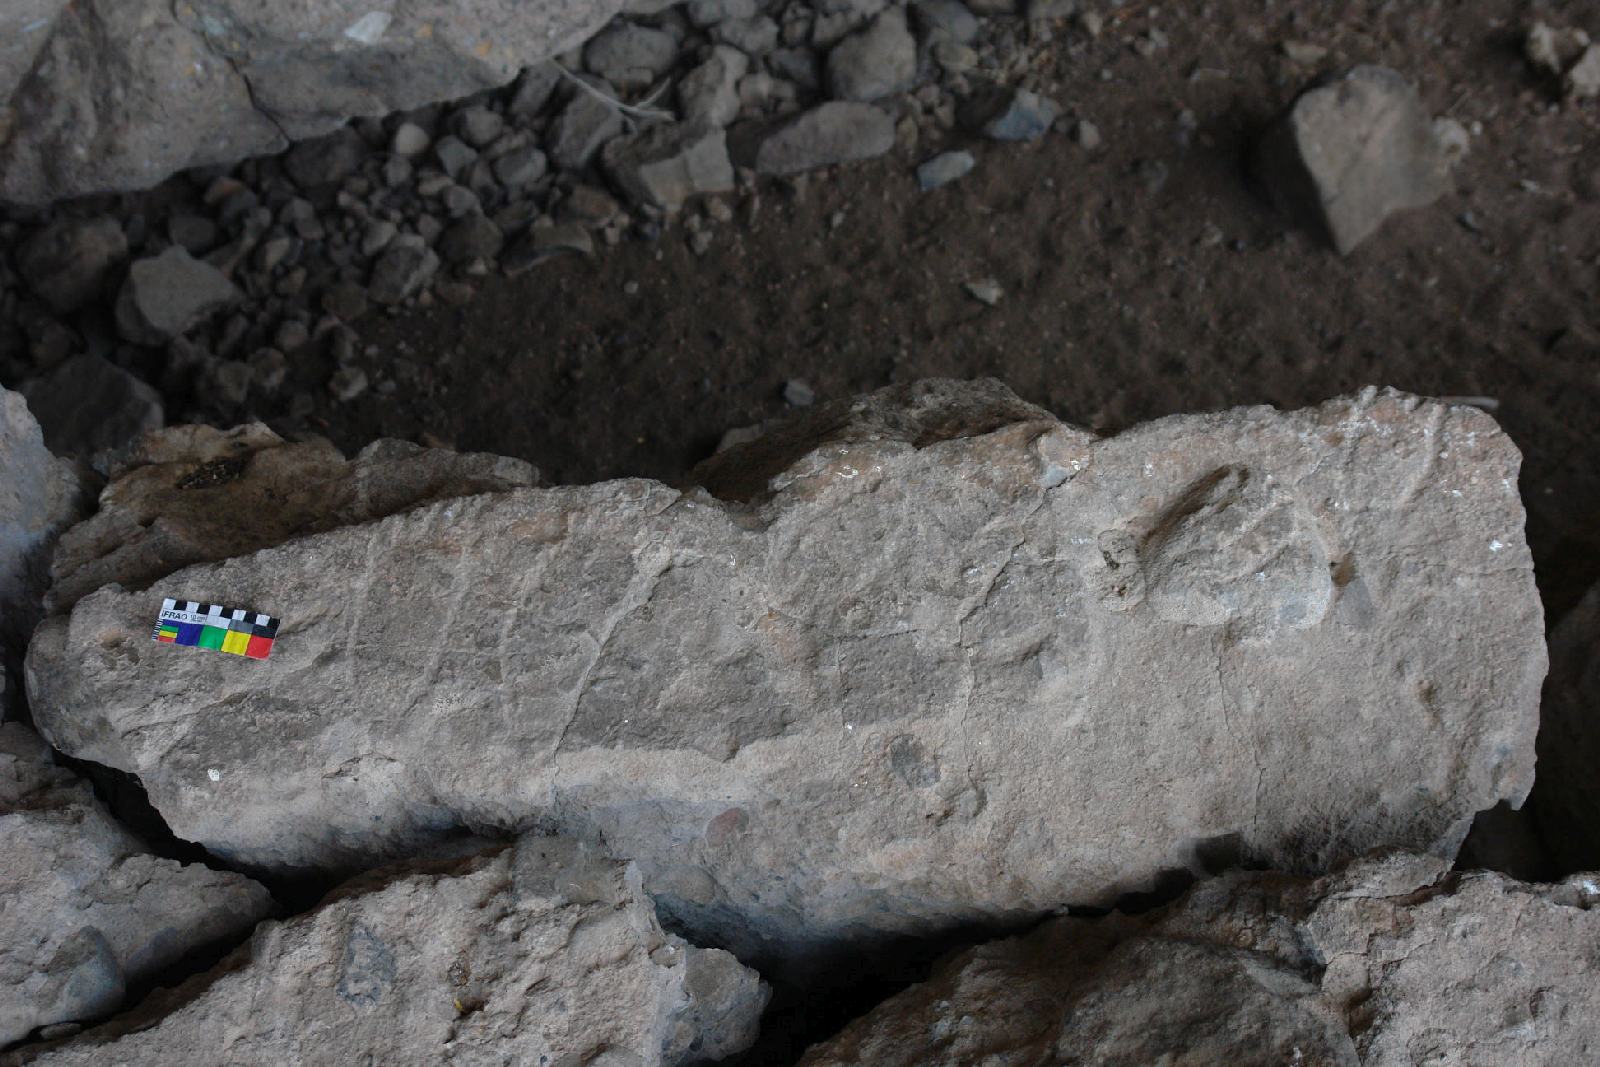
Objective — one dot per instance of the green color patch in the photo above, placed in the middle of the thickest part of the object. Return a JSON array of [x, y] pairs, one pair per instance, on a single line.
[[211, 637]]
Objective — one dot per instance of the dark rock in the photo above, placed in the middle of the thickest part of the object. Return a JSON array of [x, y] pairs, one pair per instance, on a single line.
[[325, 160], [68, 263], [401, 272], [631, 56], [478, 126], [664, 165], [89, 405], [709, 93], [473, 238], [585, 124], [835, 132], [876, 62], [950, 18]]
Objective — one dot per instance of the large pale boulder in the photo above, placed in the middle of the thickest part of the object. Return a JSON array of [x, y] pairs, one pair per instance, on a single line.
[[85, 909], [105, 95], [40, 495], [1391, 963], [957, 661], [537, 953]]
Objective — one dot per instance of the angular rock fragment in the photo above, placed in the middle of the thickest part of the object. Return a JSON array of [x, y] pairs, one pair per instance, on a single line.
[[192, 494], [540, 952], [583, 127], [40, 496], [1348, 155], [666, 164], [709, 93], [1390, 963], [402, 271], [88, 911], [878, 61], [1567, 799], [1013, 115], [947, 636], [835, 132], [165, 295], [630, 56], [118, 94], [325, 160]]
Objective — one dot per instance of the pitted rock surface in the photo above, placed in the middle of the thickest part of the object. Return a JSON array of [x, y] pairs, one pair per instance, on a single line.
[[541, 952], [193, 494], [954, 668], [1390, 963], [105, 95], [85, 909]]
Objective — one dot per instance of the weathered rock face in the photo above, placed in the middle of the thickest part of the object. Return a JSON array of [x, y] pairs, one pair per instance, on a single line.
[[87, 909], [1393, 962], [914, 662], [1351, 153], [192, 494], [1568, 799], [540, 952], [40, 496], [117, 94]]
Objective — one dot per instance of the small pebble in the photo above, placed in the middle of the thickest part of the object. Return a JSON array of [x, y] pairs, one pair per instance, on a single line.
[[797, 393]]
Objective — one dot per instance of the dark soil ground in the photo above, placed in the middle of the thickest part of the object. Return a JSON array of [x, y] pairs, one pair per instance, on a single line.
[[1142, 279]]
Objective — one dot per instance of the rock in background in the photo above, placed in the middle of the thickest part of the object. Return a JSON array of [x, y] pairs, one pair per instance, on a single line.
[[1568, 798], [541, 952], [1390, 963], [841, 710], [1349, 154], [118, 94], [87, 910], [40, 496]]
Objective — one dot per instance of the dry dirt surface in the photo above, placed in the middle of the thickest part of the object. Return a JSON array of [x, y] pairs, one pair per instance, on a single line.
[[1141, 278]]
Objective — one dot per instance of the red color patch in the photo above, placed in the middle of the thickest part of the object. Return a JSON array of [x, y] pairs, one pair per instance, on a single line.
[[259, 647]]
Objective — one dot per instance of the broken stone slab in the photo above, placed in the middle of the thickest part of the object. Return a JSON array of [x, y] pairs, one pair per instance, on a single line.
[[88, 909], [666, 164], [1390, 963], [539, 952], [109, 96], [1567, 800], [831, 133], [40, 496], [165, 295], [1351, 153], [949, 636], [192, 494]]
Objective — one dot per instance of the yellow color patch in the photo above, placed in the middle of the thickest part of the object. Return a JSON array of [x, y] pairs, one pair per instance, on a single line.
[[236, 642]]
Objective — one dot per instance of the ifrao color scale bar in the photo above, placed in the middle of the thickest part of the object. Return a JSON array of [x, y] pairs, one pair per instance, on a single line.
[[231, 630]]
